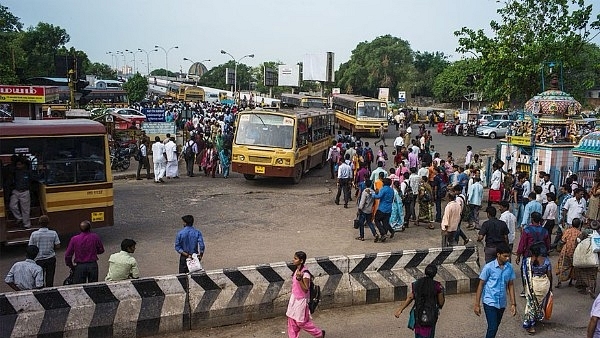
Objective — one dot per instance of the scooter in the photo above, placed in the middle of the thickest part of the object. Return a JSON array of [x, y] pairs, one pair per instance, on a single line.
[[469, 130]]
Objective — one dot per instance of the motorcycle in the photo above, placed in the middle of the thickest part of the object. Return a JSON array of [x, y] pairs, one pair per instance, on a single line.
[[449, 129], [120, 159], [470, 130]]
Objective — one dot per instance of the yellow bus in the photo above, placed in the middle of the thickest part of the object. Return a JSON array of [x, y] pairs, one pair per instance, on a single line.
[[284, 143], [360, 114], [190, 94], [71, 176], [304, 101]]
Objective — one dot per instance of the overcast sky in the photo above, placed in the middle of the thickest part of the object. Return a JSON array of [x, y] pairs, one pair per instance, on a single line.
[[272, 30]]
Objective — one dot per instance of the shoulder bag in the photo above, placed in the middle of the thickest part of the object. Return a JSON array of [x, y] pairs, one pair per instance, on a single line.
[[584, 255]]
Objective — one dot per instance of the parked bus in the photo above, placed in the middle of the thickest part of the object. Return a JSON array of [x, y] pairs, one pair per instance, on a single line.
[[360, 114], [284, 143], [109, 98], [173, 91], [304, 101], [190, 94], [72, 179]]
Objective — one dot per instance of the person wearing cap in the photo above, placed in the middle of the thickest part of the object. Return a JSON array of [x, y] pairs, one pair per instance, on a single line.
[[47, 241], [189, 241]]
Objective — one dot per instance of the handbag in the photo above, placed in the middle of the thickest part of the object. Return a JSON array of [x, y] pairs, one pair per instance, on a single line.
[[584, 255], [548, 304], [595, 242], [411, 319], [193, 263]]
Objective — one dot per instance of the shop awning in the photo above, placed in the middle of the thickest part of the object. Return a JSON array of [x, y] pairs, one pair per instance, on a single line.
[[589, 146]]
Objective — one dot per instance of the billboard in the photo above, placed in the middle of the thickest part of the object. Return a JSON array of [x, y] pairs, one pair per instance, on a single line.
[[270, 77], [384, 94], [229, 76], [23, 94], [318, 67], [154, 114], [289, 76]]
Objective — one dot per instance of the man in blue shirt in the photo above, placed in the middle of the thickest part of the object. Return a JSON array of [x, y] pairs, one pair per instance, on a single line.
[[496, 280], [531, 207], [384, 210], [189, 241]]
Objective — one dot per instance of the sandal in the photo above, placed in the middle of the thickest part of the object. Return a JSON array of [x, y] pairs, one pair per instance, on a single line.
[[531, 330], [431, 227], [359, 239]]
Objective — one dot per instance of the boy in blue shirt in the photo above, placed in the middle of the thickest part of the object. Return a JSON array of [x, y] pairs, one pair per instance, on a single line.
[[496, 280]]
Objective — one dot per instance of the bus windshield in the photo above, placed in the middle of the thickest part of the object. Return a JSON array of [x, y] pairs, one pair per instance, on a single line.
[[316, 103], [267, 130], [371, 109]]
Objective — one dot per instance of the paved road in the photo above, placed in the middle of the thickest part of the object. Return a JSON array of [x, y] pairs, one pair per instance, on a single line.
[[266, 220]]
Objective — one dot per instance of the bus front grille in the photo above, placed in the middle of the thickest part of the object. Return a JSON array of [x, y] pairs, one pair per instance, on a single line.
[[259, 159]]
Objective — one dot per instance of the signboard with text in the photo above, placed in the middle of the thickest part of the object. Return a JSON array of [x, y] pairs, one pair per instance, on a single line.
[[519, 140], [384, 94], [154, 114], [23, 94], [402, 96], [159, 128]]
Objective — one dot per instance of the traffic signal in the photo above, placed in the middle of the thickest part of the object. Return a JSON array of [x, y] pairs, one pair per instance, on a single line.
[[80, 85]]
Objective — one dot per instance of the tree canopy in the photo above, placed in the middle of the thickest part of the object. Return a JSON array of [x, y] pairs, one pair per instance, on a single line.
[[136, 87], [529, 35]]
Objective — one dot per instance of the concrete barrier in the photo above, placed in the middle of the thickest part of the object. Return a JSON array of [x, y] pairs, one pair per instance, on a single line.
[[176, 303]]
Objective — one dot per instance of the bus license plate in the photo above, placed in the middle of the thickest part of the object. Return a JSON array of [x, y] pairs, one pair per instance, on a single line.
[[98, 216], [259, 169]]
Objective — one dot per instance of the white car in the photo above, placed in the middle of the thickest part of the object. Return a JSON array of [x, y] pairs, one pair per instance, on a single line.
[[494, 129], [127, 113]]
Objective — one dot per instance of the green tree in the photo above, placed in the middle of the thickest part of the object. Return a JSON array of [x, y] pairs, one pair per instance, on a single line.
[[161, 72], [452, 84], [40, 45], [428, 65], [529, 34], [10, 27], [387, 62], [101, 71], [136, 87]]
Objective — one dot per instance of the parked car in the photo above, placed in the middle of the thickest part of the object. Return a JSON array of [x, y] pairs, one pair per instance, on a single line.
[[483, 119], [128, 113], [494, 129]]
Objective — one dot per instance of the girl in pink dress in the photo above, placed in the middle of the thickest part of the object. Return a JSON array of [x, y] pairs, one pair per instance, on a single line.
[[299, 317]]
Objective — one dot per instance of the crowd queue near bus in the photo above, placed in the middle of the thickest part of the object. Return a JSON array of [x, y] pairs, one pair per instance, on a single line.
[[407, 187]]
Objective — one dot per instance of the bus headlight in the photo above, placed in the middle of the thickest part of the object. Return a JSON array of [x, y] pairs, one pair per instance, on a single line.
[[279, 161], [242, 158]]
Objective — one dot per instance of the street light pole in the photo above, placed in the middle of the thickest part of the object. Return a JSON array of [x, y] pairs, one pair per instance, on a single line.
[[134, 63], [124, 62], [235, 64], [166, 58], [147, 59], [112, 60]]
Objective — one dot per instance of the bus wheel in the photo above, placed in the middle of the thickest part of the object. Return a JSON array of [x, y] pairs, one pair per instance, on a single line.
[[298, 169], [249, 177]]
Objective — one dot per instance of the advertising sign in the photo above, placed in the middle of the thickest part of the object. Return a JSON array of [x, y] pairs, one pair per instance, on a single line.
[[159, 128], [402, 97], [384, 94], [22, 94], [154, 114], [519, 140], [289, 76]]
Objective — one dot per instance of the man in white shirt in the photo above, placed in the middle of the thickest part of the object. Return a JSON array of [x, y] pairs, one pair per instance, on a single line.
[[510, 220], [423, 171], [547, 187], [159, 159], [398, 142], [414, 180], [172, 160], [495, 195], [469, 156], [549, 214], [574, 208], [474, 198]]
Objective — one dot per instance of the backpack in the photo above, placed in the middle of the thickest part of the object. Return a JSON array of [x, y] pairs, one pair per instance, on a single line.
[[369, 155], [408, 193], [426, 309], [189, 150], [465, 213], [314, 294], [335, 154], [137, 154], [443, 189]]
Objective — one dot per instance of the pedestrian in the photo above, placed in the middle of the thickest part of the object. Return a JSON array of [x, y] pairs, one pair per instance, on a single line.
[[381, 135], [593, 211], [172, 170], [159, 158], [468, 156], [564, 194], [414, 180], [427, 294], [496, 284], [425, 203], [82, 254], [593, 329], [344, 181], [209, 160], [225, 159], [532, 234], [189, 241], [549, 213], [407, 198], [397, 216], [190, 151], [574, 208], [122, 265], [365, 207], [565, 270], [384, 210], [20, 198], [537, 270], [495, 193], [451, 219], [333, 157], [398, 143], [143, 160], [440, 190], [474, 198], [47, 242], [511, 222], [26, 275], [586, 277], [532, 206], [298, 314], [494, 231]]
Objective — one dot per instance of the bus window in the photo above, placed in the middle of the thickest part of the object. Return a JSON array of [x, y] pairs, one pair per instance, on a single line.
[[370, 109]]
